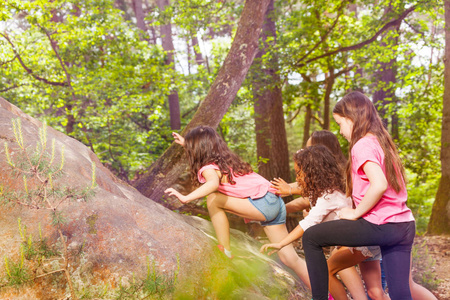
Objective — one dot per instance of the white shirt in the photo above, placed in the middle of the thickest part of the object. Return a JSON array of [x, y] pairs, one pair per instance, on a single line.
[[326, 209]]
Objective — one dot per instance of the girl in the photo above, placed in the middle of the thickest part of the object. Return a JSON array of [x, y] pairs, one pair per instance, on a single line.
[[375, 180], [319, 177], [339, 262], [321, 137], [231, 186]]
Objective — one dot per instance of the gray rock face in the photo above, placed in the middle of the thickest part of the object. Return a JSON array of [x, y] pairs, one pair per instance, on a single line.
[[118, 230]]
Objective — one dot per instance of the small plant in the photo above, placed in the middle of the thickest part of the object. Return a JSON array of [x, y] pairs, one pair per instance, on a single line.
[[38, 168], [16, 272], [422, 264], [150, 286]]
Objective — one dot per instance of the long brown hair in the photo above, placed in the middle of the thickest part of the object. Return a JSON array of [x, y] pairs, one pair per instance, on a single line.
[[360, 110], [318, 172], [204, 146], [328, 139]]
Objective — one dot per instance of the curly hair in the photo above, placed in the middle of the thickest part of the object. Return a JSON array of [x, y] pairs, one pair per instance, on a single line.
[[318, 172], [204, 146]]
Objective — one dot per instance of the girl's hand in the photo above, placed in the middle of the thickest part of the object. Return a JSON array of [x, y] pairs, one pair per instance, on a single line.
[[305, 213], [173, 192], [178, 138], [266, 247], [347, 213], [283, 188]]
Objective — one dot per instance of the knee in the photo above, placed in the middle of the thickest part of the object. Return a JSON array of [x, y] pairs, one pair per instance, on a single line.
[[288, 259], [375, 293], [308, 239], [332, 268], [210, 200]]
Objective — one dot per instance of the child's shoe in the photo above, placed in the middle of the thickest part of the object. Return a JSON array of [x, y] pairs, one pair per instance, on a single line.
[[225, 251], [330, 297]]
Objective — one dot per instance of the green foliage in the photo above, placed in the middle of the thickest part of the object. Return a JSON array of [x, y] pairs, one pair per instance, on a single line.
[[153, 285], [95, 76], [237, 279]]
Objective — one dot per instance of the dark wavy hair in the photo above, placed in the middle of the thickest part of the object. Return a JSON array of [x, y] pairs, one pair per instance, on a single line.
[[204, 146], [318, 172], [360, 110], [328, 139]]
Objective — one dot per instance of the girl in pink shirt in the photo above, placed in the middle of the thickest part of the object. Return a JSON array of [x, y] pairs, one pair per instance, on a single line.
[[230, 185], [375, 180]]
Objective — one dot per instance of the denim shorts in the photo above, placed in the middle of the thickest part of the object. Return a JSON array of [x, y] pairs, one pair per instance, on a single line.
[[272, 207], [376, 252]]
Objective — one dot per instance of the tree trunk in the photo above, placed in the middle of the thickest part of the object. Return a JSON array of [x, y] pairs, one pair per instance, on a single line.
[[307, 125], [167, 44], [329, 82], [271, 140], [198, 54], [122, 5], [139, 13], [440, 215], [166, 170], [384, 80]]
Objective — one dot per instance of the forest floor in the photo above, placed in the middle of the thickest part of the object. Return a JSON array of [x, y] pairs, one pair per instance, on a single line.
[[437, 248]]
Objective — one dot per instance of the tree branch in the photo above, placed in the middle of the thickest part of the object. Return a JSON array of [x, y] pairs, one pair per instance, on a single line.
[[392, 23], [10, 88], [325, 35], [53, 44], [28, 70]]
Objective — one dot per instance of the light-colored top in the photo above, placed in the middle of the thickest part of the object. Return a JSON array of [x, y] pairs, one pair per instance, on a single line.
[[392, 205], [326, 209], [250, 185]]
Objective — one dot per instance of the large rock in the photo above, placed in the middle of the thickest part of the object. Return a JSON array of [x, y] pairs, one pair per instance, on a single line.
[[118, 233]]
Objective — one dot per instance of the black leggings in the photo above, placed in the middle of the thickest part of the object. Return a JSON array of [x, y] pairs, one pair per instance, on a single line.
[[394, 239]]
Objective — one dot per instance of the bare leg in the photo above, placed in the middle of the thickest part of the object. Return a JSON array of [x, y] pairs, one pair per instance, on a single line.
[[287, 254], [218, 204], [297, 204], [342, 259], [371, 273], [418, 292]]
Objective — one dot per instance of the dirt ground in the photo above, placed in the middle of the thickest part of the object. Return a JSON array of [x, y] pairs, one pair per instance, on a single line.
[[437, 247]]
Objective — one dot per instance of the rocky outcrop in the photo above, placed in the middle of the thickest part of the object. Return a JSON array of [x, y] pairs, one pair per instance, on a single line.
[[118, 232]]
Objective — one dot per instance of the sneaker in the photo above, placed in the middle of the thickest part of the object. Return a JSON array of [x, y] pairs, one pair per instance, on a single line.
[[222, 249]]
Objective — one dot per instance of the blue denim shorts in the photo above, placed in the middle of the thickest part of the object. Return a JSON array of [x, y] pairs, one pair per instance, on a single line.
[[376, 252], [272, 207]]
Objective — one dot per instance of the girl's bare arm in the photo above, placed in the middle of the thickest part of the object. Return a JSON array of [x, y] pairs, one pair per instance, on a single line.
[[210, 186], [292, 236], [378, 185]]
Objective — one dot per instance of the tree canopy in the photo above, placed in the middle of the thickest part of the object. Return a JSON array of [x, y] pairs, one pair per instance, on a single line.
[[98, 71]]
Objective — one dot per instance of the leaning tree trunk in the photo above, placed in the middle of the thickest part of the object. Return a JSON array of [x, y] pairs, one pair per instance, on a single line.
[[166, 170], [440, 215], [271, 140]]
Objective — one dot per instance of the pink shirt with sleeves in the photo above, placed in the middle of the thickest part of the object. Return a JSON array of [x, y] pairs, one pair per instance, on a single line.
[[250, 185], [392, 205], [325, 209]]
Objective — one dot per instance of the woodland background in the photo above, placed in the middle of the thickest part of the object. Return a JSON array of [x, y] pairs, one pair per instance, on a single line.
[[121, 75]]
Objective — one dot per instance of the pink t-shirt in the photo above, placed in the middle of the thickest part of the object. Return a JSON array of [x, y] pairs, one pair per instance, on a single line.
[[250, 185], [392, 205]]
